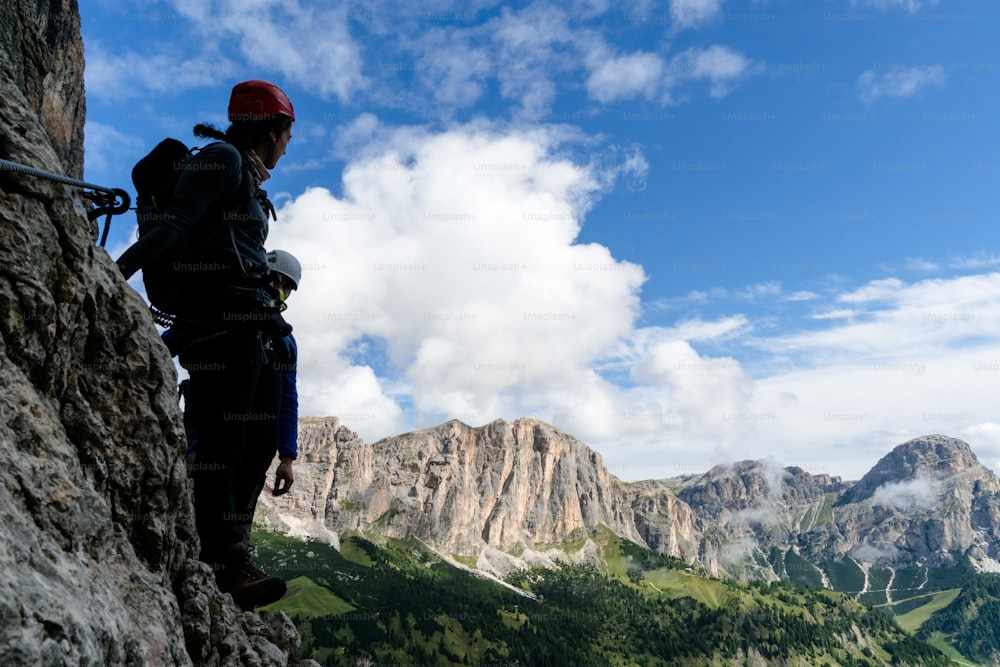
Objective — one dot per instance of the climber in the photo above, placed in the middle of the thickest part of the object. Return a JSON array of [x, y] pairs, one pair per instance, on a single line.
[[210, 240], [286, 275]]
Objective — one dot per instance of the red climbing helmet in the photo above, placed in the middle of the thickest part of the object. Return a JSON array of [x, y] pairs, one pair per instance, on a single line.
[[258, 100]]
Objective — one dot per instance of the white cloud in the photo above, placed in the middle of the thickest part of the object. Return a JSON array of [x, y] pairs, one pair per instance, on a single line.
[[690, 13], [647, 75], [915, 358], [292, 38], [157, 70], [976, 262], [709, 397], [921, 264], [984, 438], [919, 493], [624, 77], [529, 55], [699, 330], [900, 82], [766, 510], [456, 252], [868, 553], [834, 314], [417, 61], [875, 291], [738, 551], [486, 308], [104, 145], [455, 73], [909, 5], [721, 66]]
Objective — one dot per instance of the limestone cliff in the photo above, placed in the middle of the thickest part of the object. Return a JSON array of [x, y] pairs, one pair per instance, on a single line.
[[96, 529], [519, 488]]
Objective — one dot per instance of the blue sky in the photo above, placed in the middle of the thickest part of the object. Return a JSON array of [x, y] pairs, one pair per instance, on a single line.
[[687, 232]]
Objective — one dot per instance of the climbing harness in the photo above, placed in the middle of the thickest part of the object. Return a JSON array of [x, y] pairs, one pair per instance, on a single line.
[[104, 201]]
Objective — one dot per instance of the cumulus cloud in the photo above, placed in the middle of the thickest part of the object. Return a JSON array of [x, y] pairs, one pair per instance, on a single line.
[[650, 76], [445, 281], [899, 82], [710, 395], [455, 253]]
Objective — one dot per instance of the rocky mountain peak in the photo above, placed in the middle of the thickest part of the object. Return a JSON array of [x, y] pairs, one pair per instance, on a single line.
[[747, 484], [931, 457], [937, 454], [521, 487]]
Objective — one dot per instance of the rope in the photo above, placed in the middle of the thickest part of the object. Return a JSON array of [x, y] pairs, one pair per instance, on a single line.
[[165, 320], [104, 201]]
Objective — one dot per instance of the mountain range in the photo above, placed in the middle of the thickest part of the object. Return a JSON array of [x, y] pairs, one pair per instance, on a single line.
[[504, 496], [98, 547]]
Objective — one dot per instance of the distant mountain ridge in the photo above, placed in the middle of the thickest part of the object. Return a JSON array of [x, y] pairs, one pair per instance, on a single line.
[[505, 494]]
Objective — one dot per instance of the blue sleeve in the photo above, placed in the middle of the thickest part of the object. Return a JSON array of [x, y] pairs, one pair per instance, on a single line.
[[288, 416]]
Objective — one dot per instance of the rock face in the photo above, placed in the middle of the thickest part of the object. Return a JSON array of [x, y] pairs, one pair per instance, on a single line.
[[926, 502], [97, 538], [526, 487], [929, 499], [506, 487]]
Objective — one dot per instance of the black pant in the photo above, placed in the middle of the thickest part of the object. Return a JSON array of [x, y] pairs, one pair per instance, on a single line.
[[233, 398]]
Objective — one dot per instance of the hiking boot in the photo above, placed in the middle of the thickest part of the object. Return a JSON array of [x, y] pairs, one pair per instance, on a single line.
[[249, 585]]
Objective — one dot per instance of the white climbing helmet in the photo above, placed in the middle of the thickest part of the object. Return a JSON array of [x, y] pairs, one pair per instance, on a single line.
[[284, 262]]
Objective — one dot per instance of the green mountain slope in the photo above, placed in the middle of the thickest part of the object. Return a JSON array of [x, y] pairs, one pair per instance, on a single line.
[[971, 623], [397, 602]]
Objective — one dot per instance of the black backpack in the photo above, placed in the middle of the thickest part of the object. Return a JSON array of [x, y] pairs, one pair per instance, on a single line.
[[155, 176]]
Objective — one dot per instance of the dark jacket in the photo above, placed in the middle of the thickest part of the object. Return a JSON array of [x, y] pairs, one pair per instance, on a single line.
[[286, 355], [209, 243]]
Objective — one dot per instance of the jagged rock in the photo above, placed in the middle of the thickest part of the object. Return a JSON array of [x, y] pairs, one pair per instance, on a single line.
[[927, 500], [665, 523], [97, 536], [504, 486], [932, 457], [43, 61]]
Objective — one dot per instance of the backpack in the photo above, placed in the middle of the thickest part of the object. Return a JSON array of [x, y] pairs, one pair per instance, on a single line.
[[155, 177]]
